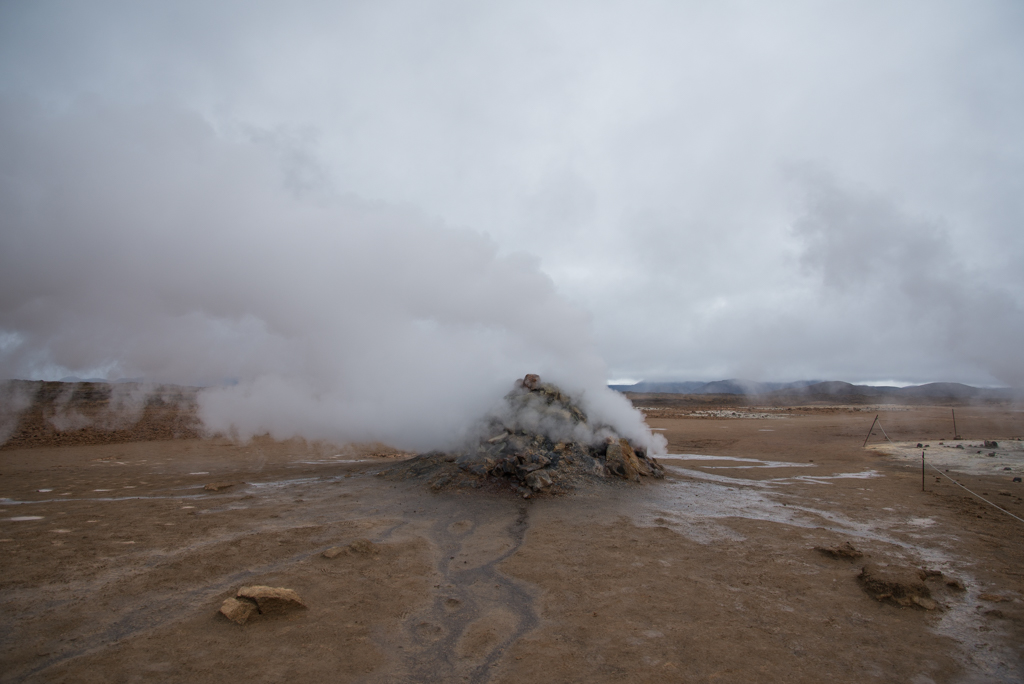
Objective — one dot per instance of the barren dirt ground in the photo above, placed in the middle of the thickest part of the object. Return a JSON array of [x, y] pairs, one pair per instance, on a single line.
[[115, 561]]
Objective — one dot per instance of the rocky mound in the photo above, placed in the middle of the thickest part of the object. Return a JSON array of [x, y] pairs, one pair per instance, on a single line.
[[541, 442], [899, 585]]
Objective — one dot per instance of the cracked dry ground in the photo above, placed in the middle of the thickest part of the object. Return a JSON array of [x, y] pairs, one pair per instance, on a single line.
[[709, 575]]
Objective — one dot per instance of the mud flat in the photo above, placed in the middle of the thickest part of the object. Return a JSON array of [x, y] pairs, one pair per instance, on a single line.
[[117, 557]]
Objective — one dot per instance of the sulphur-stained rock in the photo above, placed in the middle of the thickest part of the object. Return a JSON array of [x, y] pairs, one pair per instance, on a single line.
[[620, 464], [630, 455], [923, 602], [538, 480], [657, 471], [271, 600], [613, 458], [895, 584], [523, 471], [238, 610], [994, 598]]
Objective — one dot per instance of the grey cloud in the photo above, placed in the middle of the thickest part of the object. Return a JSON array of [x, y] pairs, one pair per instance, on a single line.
[[905, 275], [868, 291], [642, 153]]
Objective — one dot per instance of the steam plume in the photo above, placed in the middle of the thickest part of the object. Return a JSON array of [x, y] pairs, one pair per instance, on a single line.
[[142, 243]]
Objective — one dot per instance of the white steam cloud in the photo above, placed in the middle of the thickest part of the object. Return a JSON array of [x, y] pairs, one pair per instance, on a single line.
[[143, 243]]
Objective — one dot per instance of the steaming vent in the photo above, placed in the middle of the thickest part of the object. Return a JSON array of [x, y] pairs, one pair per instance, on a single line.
[[539, 441]]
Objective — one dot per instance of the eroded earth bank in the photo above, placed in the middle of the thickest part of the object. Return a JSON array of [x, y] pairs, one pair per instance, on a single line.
[[116, 558]]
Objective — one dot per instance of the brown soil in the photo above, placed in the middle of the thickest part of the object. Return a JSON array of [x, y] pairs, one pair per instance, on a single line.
[[708, 575]]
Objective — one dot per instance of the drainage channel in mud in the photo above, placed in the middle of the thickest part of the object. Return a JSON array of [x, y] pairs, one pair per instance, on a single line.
[[478, 612]]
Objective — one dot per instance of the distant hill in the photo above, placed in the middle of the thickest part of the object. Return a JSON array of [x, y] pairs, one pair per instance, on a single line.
[[828, 391], [119, 381], [933, 391], [733, 386]]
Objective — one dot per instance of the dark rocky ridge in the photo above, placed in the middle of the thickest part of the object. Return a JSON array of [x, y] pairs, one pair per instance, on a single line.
[[542, 443], [51, 414]]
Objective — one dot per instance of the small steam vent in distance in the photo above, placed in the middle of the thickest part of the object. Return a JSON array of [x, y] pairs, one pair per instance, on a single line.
[[539, 440]]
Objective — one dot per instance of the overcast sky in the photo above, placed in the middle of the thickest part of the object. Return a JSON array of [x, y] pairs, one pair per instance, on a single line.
[[671, 190]]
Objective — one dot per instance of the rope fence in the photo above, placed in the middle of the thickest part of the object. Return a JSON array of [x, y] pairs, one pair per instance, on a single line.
[[973, 493], [876, 421], [871, 431]]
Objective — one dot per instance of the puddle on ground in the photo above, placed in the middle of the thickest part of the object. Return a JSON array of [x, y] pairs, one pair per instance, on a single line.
[[92, 499], [713, 495], [822, 479], [755, 462], [335, 460], [287, 483]]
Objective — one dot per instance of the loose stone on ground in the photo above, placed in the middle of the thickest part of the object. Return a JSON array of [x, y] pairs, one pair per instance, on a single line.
[[259, 600], [844, 551]]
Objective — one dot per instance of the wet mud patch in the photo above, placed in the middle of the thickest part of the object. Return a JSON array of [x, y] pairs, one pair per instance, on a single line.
[[710, 575], [672, 608]]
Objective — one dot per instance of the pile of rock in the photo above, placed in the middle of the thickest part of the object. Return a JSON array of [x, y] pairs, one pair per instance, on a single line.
[[898, 585], [542, 442]]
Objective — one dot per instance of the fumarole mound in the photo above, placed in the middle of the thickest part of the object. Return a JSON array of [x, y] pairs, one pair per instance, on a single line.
[[541, 442]]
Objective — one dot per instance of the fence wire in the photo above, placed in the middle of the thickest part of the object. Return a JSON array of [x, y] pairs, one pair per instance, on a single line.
[[973, 493]]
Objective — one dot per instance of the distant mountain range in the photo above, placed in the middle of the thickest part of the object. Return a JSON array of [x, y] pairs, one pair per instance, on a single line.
[[802, 390], [819, 390], [716, 387]]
